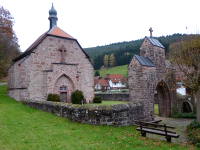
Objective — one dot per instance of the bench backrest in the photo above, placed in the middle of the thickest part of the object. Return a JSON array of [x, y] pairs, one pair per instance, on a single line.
[[154, 126]]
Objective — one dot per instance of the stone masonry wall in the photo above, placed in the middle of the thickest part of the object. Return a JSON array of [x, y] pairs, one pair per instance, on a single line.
[[114, 96], [141, 86], [146, 82], [36, 75], [118, 115]]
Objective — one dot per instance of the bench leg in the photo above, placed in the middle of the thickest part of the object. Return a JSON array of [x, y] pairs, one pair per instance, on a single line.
[[168, 138], [143, 133]]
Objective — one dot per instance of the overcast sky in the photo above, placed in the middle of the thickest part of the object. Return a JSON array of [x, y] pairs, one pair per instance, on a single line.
[[100, 22]]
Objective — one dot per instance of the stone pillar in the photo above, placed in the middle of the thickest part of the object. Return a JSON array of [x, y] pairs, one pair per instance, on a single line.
[[141, 88]]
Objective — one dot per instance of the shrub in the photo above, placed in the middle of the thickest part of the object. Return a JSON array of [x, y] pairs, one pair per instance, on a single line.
[[198, 145], [77, 97], [184, 115], [97, 99], [193, 132], [193, 125], [53, 97]]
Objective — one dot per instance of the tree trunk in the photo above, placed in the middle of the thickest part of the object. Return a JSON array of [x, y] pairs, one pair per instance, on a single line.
[[197, 99]]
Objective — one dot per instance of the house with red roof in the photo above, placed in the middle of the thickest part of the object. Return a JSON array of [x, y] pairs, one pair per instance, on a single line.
[[54, 63], [101, 84], [111, 82], [116, 81]]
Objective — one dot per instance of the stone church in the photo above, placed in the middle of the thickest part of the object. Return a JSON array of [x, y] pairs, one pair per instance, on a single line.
[[150, 77], [54, 63]]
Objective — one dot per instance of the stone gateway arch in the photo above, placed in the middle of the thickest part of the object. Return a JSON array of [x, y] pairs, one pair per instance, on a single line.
[[150, 78]]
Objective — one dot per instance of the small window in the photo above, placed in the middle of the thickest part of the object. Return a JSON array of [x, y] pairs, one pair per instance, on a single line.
[[63, 88]]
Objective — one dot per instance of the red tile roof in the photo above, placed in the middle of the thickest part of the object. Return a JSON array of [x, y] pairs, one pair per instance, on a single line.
[[56, 31], [115, 78], [102, 82]]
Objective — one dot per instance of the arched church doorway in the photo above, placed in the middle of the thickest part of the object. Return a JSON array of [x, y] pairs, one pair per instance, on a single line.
[[186, 107], [64, 87], [63, 93], [162, 97]]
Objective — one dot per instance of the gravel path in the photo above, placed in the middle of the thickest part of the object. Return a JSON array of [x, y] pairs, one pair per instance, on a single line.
[[3, 83], [180, 125]]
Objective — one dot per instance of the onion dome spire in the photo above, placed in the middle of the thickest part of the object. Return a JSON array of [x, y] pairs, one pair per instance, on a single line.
[[53, 17]]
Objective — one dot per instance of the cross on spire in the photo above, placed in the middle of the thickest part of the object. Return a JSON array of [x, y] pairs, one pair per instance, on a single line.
[[151, 31]]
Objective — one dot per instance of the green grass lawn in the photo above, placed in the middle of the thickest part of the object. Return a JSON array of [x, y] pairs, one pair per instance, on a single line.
[[24, 128], [156, 109], [107, 103], [115, 70]]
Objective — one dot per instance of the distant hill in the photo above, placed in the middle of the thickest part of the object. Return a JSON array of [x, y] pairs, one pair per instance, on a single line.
[[124, 51]]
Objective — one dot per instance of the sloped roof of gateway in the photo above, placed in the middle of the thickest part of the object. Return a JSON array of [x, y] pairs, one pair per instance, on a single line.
[[155, 42], [56, 32], [144, 61]]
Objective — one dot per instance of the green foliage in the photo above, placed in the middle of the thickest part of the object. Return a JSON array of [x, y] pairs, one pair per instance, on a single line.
[[77, 97], [25, 128], [198, 145], [53, 97], [193, 131], [156, 109], [193, 125], [97, 99], [97, 73], [184, 115]]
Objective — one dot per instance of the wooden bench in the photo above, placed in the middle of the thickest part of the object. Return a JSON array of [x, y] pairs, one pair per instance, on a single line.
[[154, 128]]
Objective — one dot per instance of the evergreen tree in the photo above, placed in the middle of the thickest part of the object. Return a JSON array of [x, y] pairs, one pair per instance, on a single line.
[[97, 73]]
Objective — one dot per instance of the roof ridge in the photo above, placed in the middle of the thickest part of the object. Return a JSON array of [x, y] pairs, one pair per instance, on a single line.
[[155, 42], [56, 31]]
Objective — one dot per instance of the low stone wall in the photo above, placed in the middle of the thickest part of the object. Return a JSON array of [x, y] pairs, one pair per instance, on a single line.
[[118, 115], [114, 96]]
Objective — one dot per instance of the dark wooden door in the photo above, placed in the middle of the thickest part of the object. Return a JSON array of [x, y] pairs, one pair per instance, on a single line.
[[63, 96]]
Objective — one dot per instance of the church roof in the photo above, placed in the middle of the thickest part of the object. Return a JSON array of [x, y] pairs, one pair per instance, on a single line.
[[144, 61], [155, 42], [56, 32]]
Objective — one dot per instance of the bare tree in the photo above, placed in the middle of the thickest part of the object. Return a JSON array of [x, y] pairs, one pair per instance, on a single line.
[[112, 60], [106, 60], [186, 56], [8, 41]]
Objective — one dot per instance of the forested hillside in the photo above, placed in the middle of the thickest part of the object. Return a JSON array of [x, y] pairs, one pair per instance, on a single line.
[[121, 53], [9, 48]]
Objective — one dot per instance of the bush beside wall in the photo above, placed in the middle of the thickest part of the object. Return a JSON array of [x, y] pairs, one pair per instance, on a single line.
[[53, 97], [193, 132], [77, 97]]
